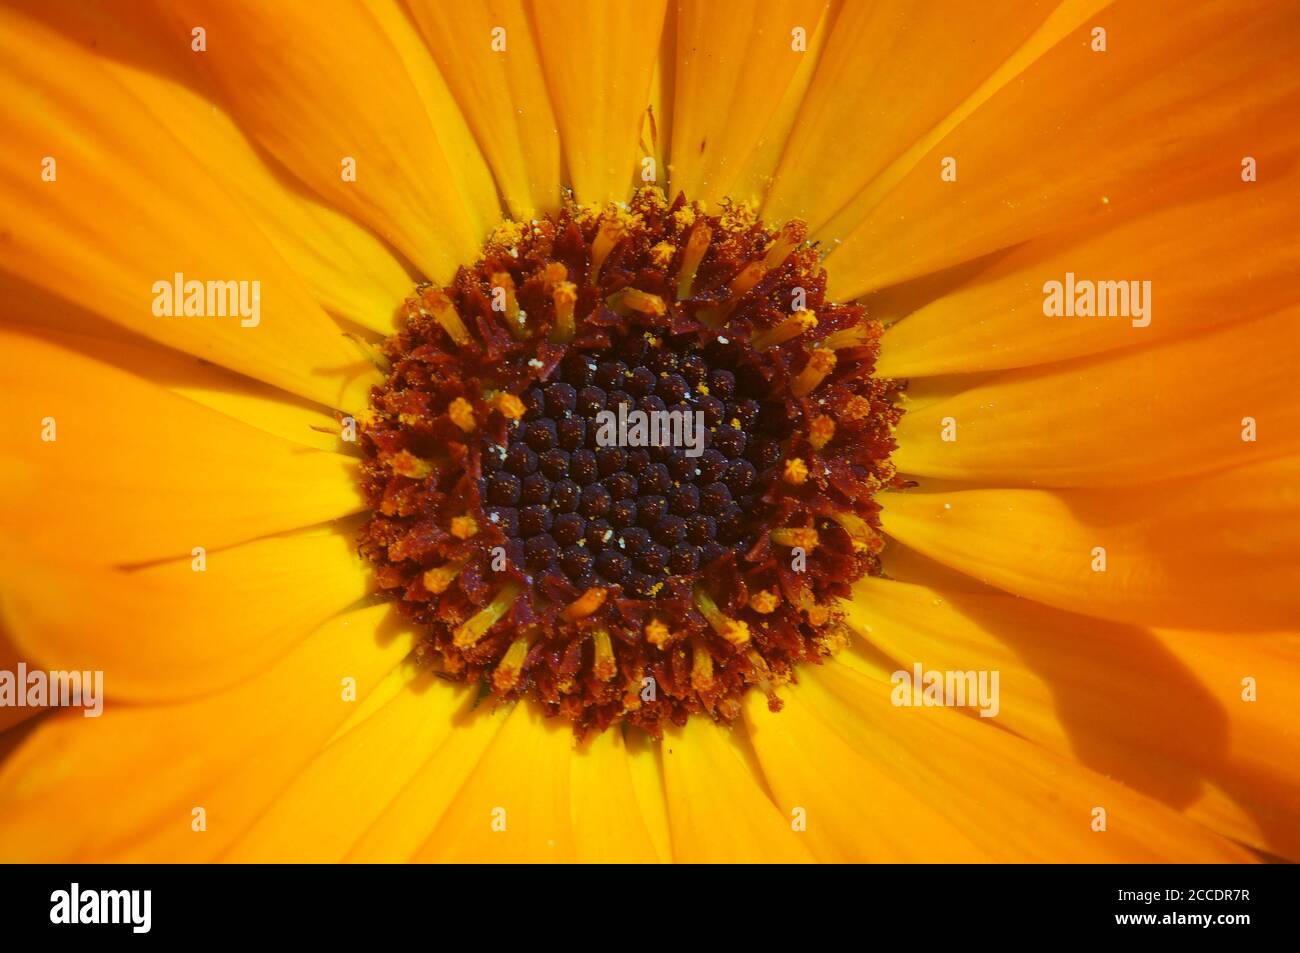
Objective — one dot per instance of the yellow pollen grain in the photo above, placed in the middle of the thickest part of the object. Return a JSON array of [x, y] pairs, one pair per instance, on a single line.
[[509, 406], [820, 431], [656, 633], [407, 464], [796, 471], [464, 527], [856, 407], [662, 254], [735, 632], [461, 413], [552, 275], [440, 578], [764, 602]]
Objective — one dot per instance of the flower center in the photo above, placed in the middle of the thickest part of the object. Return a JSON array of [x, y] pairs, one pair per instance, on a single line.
[[625, 463]]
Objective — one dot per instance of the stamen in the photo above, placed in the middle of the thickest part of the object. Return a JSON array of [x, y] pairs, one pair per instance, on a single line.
[[787, 330], [474, 628], [792, 233], [565, 297], [860, 335], [603, 665], [513, 318], [444, 312], [611, 233], [696, 246], [805, 537], [819, 365], [764, 602], [734, 631], [507, 673], [630, 299], [701, 666], [585, 605], [439, 579]]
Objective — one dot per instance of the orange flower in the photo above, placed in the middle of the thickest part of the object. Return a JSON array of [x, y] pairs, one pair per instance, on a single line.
[[212, 216]]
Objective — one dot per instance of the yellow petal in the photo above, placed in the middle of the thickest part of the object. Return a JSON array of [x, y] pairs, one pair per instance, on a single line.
[[608, 826], [277, 68], [128, 209], [996, 319], [877, 90], [343, 789], [1219, 551], [169, 631], [349, 271], [1137, 415], [37, 313], [226, 755], [135, 472], [1216, 96], [502, 93], [1161, 712], [514, 807], [852, 807], [717, 804], [411, 816], [730, 84], [1013, 800], [599, 59]]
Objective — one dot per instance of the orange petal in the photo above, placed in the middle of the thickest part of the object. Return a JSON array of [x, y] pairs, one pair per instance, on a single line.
[[1013, 800], [1161, 712], [876, 91], [730, 84], [408, 820], [1219, 551], [325, 810], [820, 780], [1137, 415], [37, 313], [417, 182], [599, 59], [129, 209], [1217, 96], [996, 319], [514, 807], [608, 823], [135, 472], [719, 810], [349, 271], [502, 93], [169, 631], [227, 755]]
